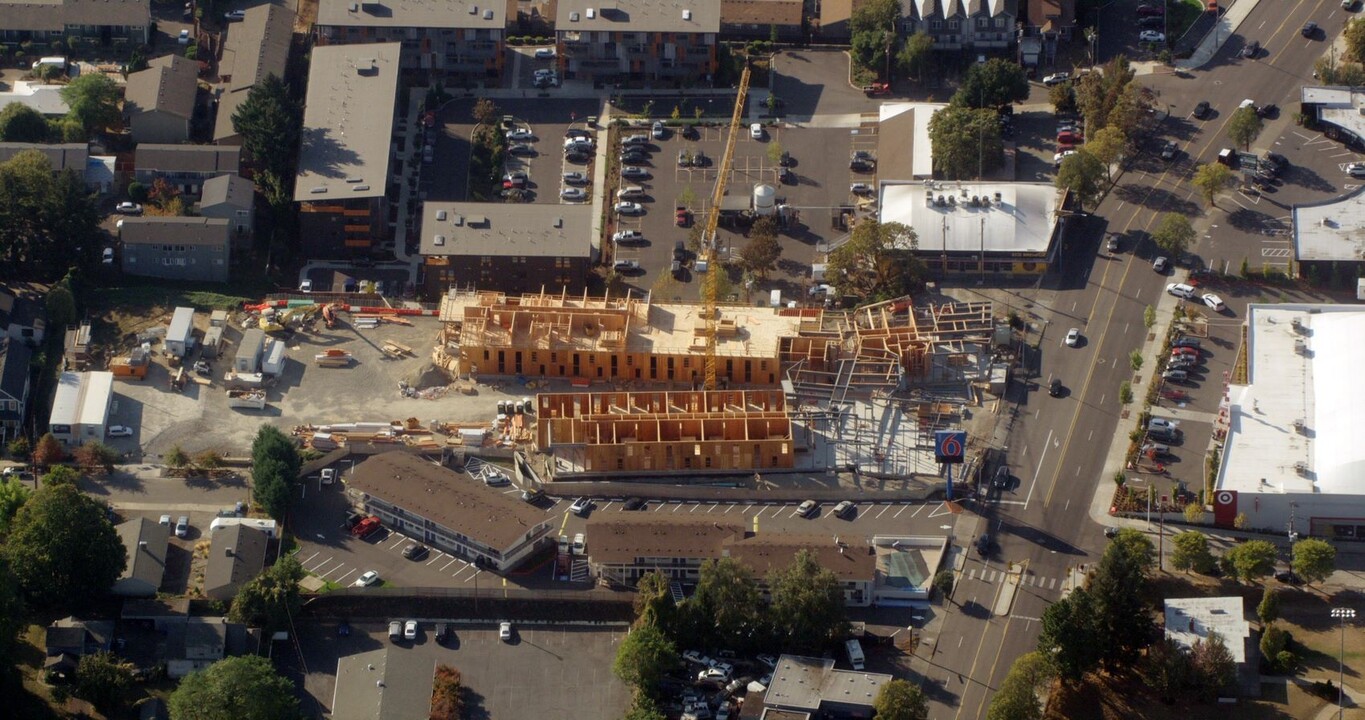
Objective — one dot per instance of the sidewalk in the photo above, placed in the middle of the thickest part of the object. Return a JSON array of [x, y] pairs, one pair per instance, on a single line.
[[1227, 24]]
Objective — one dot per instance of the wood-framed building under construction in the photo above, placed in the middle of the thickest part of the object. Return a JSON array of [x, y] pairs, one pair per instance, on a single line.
[[721, 431]]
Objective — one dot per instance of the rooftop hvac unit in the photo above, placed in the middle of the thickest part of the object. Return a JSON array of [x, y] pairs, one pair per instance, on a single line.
[[1299, 426], [997, 198], [1301, 467], [687, 15], [439, 240], [591, 13], [458, 221], [1297, 325], [573, 17], [360, 188], [941, 201], [1300, 347], [318, 190], [355, 7], [441, 215], [487, 14], [352, 179], [1327, 222], [952, 200], [929, 198], [473, 9]]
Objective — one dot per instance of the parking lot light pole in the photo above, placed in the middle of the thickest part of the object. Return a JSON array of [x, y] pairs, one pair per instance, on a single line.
[[1343, 614]]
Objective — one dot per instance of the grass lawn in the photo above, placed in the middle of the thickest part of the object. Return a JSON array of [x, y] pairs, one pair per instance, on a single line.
[[1181, 14]]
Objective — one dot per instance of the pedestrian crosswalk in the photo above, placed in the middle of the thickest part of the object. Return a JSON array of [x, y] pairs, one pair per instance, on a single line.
[[579, 571], [987, 575]]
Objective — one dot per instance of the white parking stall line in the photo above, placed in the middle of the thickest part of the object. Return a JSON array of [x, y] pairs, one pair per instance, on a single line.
[[342, 580], [437, 556], [452, 560], [883, 512], [747, 508], [456, 575], [315, 567], [676, 506], [401, 540], [608, 505], [554, 504], [694, 507], [728, 508], [713, 507], [340, 566], [918, 511], [794, 513], [898, 512], [310, 558], [660, 506]]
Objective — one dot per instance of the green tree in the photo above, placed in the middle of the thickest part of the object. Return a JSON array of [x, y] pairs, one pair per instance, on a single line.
[[877, 262], [1083, 174], [1269, 608], [643, 707], [237, 688], [1244, 126], [726, 602], [1132, 109], [105, 680], [1166, 668], [60, 475], [1118, 585], [1191, 552], [1017, 698], [759, 256], [92, 100], [447, 694], [654, 601], [271, 598], [1107, 146], [19, 448], [1314, 560], [965, 141], [1355, 41], [275, 464], [48, 221], [943, 582], [807, 608], [991, 84], [485, 112], [1149, 317], [95, 454], [63, 549], [61, 306], [270, 123], [899, 700], [915, 55], [1214, 668], [176, 457], [1062, 97], [875, 15], [1250, 560], [1070, 635], [645, 656], [1174, 234], [13, 495], [21, 123], [1274, 640], [1097, 93], [1210, 179], [869, 48], [11, 612]]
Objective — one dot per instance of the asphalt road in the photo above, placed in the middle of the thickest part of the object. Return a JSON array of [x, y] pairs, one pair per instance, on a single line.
[[1058, 445]]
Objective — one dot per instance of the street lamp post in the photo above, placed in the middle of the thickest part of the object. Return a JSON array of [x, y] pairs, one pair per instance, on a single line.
[[1343, 614]]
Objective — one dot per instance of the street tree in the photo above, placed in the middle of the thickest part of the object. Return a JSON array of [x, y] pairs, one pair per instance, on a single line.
[[60, 475], [1070, 635], [13, 495], [1250, 560], [807, 608], [877, 263], [1107, 146], [1213, 666], [991, 84], [645, 656], [270, 123], [1097, 93], [63, 549], [915, 55], [237, 688], [1174, 234], [61, 305], [92, 101], [1166, 668], [176, 457], [1063, 97], [1314, 560], [1244, 126], [1117, 585], [1132, 109], [654, 601], [104, 680], [759, 256], [11, 613], [270, 599], [943, 582], [1268, 610], [966, 142], [1191, 552], [1083, 175], [1355, 40], [1211, 179], [96, 455], [485, 112], [726, 602], [21, 123], [899, 700], [869, 48], [1017, 698], [874, 15]]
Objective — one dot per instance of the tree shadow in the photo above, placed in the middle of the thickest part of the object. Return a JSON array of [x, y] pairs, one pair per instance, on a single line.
[[1156, 199], [1309, 179]]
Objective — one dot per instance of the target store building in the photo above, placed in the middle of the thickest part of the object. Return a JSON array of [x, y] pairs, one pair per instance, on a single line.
[[1294, 456]]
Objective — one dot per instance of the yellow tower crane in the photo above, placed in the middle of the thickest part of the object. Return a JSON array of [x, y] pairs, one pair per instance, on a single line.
[[711, 285]]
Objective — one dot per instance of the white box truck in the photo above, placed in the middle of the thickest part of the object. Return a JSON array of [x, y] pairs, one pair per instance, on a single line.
[[855, 654]]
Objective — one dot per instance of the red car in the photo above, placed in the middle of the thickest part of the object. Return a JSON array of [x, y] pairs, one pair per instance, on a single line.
[[682, 217], [1151, 10], [1192, 352], [1068, 137]]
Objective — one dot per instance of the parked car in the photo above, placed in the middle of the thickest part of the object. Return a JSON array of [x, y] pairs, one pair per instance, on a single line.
[[1160, 264], [1169, 150], [1111, 242], [442, 633], [634, 140], [531, 495], [108, 258], [182, 526], [859, 188], [1356, 170], [1152, 22], [1180, 290], [573, 193], [1001, 480], [1176, 375], [1188, 342], [626, 266], [843, 509], [1152, 36], [395, 631], [1214, 302], [545, 53], [233, 15], [629, 208], [1201, 110], [575, 178], [1058, 158], [128, 208], [756, 131], [521, 134], [414, 552], [505, 631], [1151, 10], [1157, 423], [1069, 137], [635, 503], [658, 131], [807, 508], [1073, 337], [767, 660], [329, 475], [580, 506], [712, 674], [1251, 49], [368, 578], [1056, 78], [120, 431], [184, 37], [633, 157], [625, 237], [518, 178], [521, 149], [579, 544], [634, 172], [410, 630]]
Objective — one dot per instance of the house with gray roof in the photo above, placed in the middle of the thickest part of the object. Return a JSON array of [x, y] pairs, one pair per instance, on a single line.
[[462, 40], [200, 642], [185, 167], [668, 41], [232, 198], [177, 248], [508, 248], [159, 101], [812, 685], [102, 22], [256, 47], [236, 556], [145, 541], [962, 24], [63, 156], [45, 99], [15, 374], [345, 150]]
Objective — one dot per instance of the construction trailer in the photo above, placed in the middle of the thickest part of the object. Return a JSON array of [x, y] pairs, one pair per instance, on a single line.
[[180, 333], [213, 342], [132, 367], [77, 346], [248, 358], [272, 362], [721, 431]]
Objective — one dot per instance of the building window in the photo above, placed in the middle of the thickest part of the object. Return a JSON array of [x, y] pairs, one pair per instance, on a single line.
[[935, 24], [983, 22], [1000, 22], [952, 24]]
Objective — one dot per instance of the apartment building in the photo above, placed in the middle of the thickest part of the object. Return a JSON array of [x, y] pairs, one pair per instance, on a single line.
[[962, 24], [101, 22], [460, 41], [177, 248], [508, 248], [671, 42]]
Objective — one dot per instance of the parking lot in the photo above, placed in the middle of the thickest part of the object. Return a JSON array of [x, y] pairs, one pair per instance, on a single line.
[[566, 670]]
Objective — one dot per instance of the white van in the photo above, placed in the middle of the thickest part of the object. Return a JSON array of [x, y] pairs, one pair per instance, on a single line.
[[57, 62], [629, 192], [855, 654]]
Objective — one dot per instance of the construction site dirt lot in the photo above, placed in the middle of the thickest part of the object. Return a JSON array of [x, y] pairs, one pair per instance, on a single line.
[[198, 417]]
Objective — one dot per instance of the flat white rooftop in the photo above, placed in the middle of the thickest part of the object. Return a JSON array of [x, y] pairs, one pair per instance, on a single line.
[[1295, 427], [1337, 105], [1192, 619], [1331, 230], [1021, 220]]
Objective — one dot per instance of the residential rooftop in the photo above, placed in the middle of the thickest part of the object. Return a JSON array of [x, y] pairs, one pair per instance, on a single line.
[[169, 158], [903, 149], [180, 230], [1020, 217], [667, 16], [256, 47], [766, 552], [486, 15], [450, 499], [348, 122], [40, 15], [532, 230], [169, 85], [804, 683], [761, 12], [62, 156], [623, 538], [45, 99], [1292, 427]]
